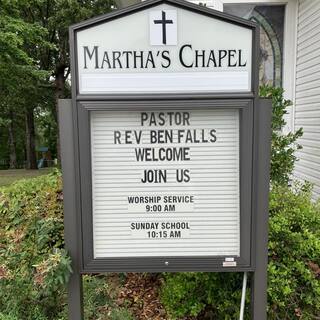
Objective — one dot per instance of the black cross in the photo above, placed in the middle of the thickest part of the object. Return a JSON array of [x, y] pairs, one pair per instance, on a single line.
[[163, 22]]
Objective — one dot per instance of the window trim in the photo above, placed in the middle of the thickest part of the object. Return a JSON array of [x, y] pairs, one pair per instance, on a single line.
[[289, 50], [289, 46]]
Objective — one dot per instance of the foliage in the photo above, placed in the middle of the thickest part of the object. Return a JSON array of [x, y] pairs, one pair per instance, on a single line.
[[99, 301], [35, 69], [34, 267], [7, 317], [294, 272], [20, 76], [120, 314], [284, 145], [294, 254], [15, 36], [202, 294], [33, 264]]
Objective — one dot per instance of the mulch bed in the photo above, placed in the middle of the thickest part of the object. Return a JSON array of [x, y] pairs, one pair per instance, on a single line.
[[140, 294]]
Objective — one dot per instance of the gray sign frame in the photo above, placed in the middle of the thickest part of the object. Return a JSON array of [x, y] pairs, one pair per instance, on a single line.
[[254, 170], [161, 264]]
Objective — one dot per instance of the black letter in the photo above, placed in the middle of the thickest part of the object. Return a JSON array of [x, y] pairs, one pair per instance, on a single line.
[[126, 54], [222, 55], [150, 59], [165, 57], [144, 180], [105, 59], [116, 57], [144, 117], [200, 55], [240, 55], [162, 120], [186, 118], [231, 55], [212, 134], [180, 55], [212, 58], [136, 56], [117, 135], [94, 52]]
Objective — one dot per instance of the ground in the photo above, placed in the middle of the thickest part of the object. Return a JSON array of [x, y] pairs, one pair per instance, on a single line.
[[140, 294], [9, 176]]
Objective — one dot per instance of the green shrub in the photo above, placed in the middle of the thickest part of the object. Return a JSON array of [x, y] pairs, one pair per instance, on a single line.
[[95, 290], [294, 272], [100, 299], [196, 293], [34, 267], [283, 146], [120, 314], [294, 255], [33, 264], [7, 317]]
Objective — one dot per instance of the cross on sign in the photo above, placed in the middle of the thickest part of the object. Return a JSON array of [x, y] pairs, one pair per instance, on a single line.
[[164, 22]]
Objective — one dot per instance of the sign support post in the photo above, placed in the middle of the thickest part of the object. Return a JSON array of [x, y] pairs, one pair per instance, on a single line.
[[259, 283], [71, 219]]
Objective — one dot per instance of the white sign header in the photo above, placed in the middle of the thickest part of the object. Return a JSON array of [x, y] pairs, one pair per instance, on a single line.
[[164, 49]]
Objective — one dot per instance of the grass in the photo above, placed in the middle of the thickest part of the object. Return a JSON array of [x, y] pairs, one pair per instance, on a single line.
[[9, 176]]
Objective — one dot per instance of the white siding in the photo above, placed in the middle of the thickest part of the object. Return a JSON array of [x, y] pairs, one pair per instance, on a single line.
[[307, 102]]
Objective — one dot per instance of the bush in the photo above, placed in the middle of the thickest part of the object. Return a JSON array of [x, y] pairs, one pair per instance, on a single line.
[[99, 297], [294, 272], [294, 255], [207, 295], [283, 146], [33, 264], [34, 267]]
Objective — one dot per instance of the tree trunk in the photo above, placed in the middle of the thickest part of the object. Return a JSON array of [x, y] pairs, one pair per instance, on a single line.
[[30, 141], [59, 94], [12, 143]]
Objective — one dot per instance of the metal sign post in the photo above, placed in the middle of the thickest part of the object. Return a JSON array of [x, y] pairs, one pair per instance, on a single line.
[[165, 146]]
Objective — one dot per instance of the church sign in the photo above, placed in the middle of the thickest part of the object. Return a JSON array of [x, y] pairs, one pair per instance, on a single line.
[[166, 146], [164, 49]]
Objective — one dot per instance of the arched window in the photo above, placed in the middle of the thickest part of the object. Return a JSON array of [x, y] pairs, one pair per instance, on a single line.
[[271, 21]]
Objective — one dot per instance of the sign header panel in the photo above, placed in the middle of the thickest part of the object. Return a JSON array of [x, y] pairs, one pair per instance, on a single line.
[[165, 183], [164, 49]]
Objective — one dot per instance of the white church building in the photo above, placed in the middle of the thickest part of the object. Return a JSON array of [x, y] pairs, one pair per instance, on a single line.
[[290, 44]]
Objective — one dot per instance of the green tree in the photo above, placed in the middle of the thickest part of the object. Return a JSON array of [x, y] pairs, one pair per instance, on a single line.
[[19, 75], [56, 16], [34, 64]]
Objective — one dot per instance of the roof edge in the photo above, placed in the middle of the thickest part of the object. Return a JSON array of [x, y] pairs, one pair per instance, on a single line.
[[183, 4]]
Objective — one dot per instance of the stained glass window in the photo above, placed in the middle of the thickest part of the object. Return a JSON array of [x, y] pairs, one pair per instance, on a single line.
[[271, 21]]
